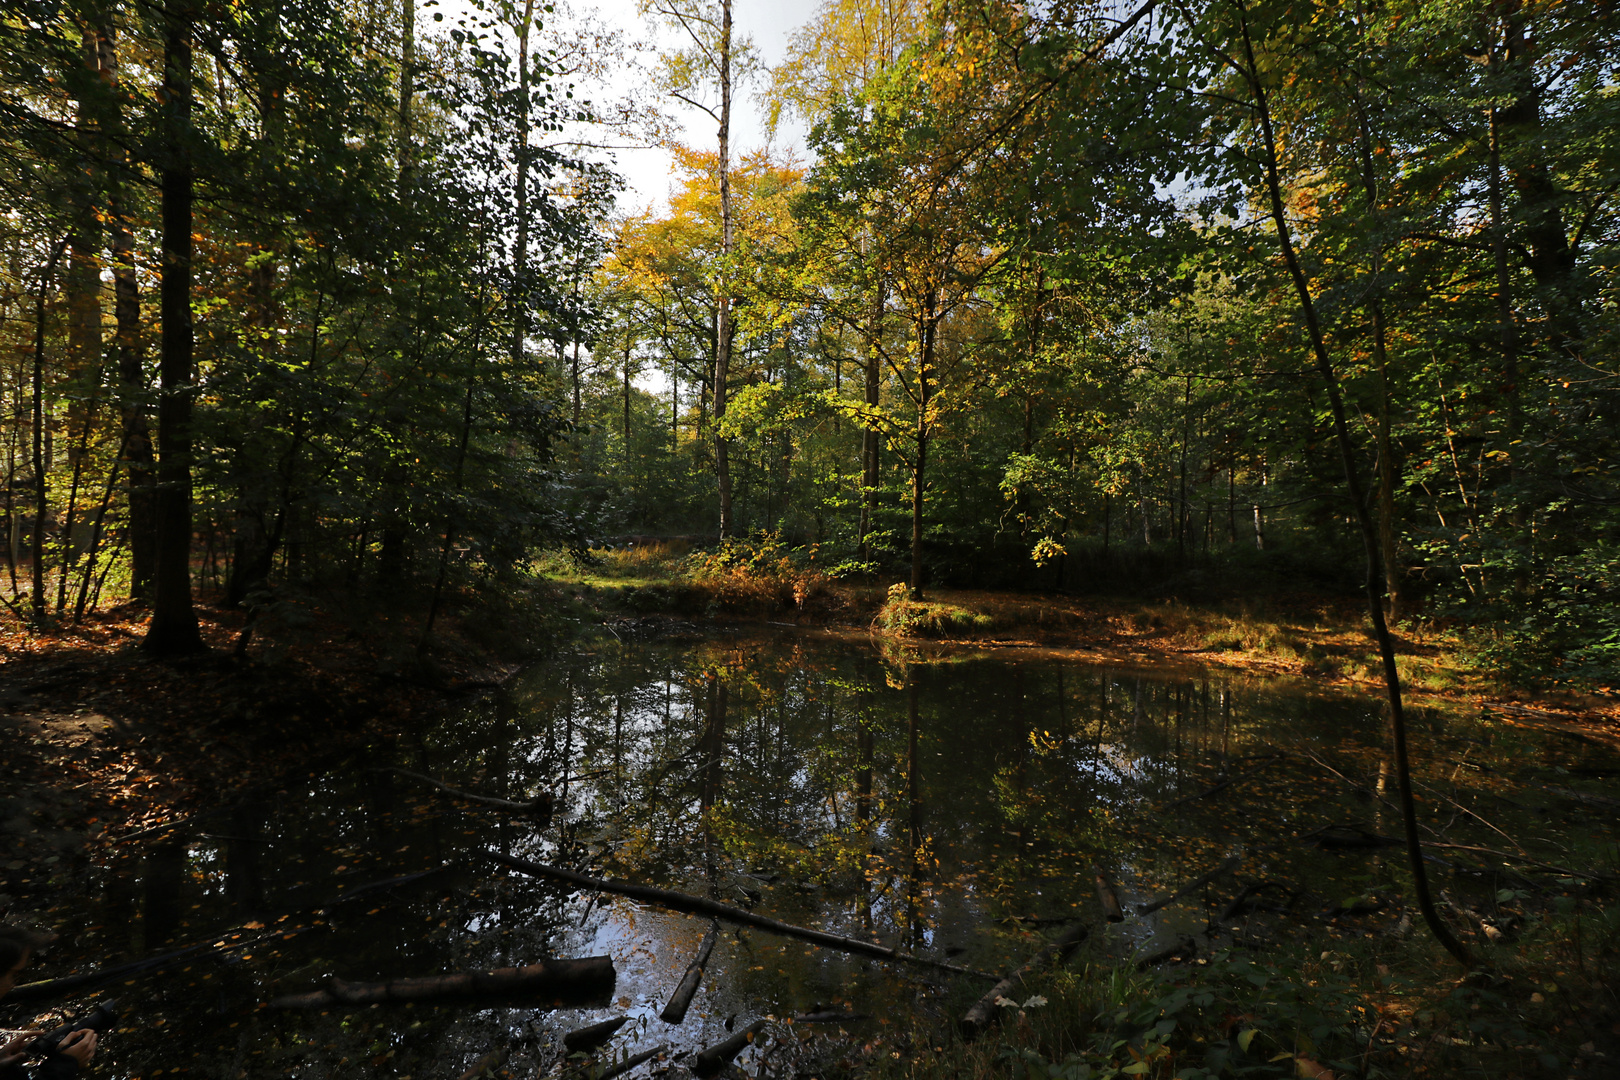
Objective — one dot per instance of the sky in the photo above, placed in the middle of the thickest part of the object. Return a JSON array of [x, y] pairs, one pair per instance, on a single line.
[[770, 23]]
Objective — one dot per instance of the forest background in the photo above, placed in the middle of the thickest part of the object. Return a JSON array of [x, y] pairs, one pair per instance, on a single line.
[[331, 298]]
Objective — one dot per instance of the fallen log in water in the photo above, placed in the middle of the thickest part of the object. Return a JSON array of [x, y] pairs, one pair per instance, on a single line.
[[630, 1062], [986, 1009], [1228, 782], [697, 905], [1194, 885], [540, 807], [681, 1000], [710, 1061], [584, 1040], [831, 1018], [553, 984]]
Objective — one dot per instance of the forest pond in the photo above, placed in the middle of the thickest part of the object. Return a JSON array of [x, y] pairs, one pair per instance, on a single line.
[[952, 803]]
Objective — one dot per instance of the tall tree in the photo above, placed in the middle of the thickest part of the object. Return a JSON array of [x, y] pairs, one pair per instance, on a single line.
[[173, 629]]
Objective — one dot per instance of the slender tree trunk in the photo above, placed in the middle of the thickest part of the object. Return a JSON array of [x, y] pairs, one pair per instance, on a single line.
[[41, 464], [132, 407], [83, 288], [871, 442], [128, 357], [1352, 480], [94, 547], [723, 327], [81, 455], [393, 547], [520, 242], [404, 152], [1375, 306], [928, 324], [173, 628]]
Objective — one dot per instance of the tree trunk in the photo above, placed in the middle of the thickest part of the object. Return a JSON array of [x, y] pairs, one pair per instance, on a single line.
[[407, 84], [40, 455], [1352, 481], [722, 324], [520, 242], [174, 624], [559, 983], [1386, 448], [925, 363], [871, 442], [128, 355]]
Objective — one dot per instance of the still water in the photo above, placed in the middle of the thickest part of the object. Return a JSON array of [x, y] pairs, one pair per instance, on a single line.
[[948, 803]]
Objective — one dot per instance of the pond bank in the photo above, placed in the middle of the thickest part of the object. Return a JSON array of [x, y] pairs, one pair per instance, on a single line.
[[1306, 635], [1007, 749]]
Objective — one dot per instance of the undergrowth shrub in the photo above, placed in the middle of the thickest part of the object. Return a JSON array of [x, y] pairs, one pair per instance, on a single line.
[[759, 574]]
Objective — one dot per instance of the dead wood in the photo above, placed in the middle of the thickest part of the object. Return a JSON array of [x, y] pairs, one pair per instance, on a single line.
[[1239, 902], [553, 984], [1182, 948], [631, 1062], [1222, 785], [1347, 838], [831, 1017], [540, 807], [681, 1000], [1583, 797], [217, 945], [987, 1008], [584, 1040], [1561, 871], [697, 905], [710, 1061], [1194, 885], [1107, 896]]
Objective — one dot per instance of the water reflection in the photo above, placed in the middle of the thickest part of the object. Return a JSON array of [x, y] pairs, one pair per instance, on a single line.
[[928, 802]]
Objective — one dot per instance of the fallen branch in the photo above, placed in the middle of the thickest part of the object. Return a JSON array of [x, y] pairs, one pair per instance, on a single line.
[[710, 1061], [988, 1007], [215, 946], [1347, 838], [681, 1000], [1235, 908], [566, 983], [1582, 797], [540, 807], [631, 1062], [697, 905], [1561, 871], [584, 1040], [1220, 871], [831, 1018], [1228, 782]]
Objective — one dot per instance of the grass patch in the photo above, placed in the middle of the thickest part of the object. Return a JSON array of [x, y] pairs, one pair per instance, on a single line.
[[921, 618], [755, 576]]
